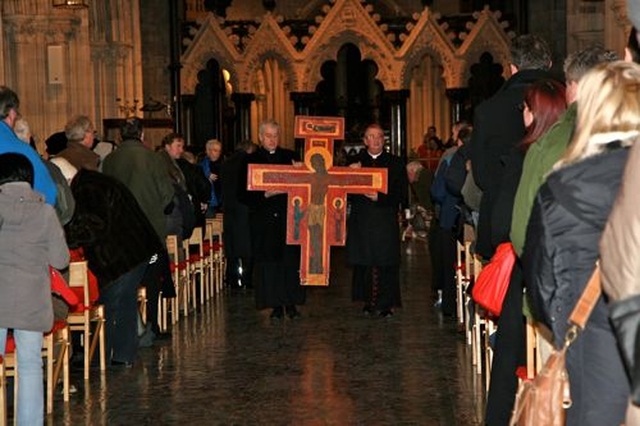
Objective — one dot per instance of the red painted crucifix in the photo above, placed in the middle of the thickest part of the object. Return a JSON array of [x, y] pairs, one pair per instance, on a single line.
[[317, 213]]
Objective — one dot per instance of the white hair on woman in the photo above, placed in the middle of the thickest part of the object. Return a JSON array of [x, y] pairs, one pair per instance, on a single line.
[[22, 130]]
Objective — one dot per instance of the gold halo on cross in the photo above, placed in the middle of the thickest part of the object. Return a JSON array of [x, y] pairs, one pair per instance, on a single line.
[[328, 159]]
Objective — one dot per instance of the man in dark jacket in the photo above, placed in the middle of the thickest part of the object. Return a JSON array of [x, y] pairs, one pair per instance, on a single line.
[[198, 185], [143, 173], [498, 126], [373, 232], [277, 264], [237, 240]]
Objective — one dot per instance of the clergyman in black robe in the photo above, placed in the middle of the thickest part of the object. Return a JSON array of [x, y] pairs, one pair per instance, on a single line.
[[276, 264], [373, 231]]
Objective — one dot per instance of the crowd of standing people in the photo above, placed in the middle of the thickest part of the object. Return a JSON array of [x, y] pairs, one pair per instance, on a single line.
[[546, 160]]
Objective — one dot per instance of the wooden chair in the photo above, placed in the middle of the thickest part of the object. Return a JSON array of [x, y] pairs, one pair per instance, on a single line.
[[477, 325], [60, 336], [55, 364], [88, 317], [209, 253], [3, 394], [461, 283], [179, 271], [218, 252], [490, 327], [539, 346], [469, 274], [142, 303], [194, 246]]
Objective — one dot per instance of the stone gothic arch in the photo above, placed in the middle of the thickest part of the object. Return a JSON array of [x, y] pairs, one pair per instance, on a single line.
[[300, 56]]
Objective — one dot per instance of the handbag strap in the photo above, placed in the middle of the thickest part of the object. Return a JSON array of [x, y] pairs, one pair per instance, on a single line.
[[586, 303]]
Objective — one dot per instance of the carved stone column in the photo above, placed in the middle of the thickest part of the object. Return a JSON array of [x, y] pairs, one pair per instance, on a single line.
[[397, 101], [26, 67], [457, 99], [242, 102], [114, 31], [616, 23], [187, 102], [175, 66]]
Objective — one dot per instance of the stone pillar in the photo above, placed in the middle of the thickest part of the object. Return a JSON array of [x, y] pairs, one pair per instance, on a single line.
[[616, 23], [175, 66], [342, 83], [187, 103], [457, 99], [397, 101], [32, 42], [242, 102]]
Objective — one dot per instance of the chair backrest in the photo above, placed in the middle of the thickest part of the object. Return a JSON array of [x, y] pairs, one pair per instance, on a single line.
[[196, 236], [172, 248], [215, 225], [79, 281]]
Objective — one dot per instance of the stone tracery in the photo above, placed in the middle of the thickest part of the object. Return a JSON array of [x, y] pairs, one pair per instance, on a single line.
[[347, 21]]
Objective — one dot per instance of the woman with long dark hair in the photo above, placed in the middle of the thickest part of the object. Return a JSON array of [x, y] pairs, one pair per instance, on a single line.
[[544, 102]]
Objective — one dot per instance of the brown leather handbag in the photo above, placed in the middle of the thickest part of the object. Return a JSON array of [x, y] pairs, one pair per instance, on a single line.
[[543, 400]]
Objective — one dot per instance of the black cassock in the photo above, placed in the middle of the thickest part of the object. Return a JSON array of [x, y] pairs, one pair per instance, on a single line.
[[276, 264], [373, 236]]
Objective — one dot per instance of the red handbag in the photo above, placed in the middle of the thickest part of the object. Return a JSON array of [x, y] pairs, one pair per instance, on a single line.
[[492, 282]]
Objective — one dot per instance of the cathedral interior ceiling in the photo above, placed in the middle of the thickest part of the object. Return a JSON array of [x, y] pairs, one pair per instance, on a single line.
[[241, 48]]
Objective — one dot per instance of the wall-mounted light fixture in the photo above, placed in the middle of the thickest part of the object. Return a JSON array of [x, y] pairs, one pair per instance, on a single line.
[[71, 4]]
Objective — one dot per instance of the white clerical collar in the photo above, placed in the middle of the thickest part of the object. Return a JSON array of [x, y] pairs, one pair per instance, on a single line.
[[374, 156]]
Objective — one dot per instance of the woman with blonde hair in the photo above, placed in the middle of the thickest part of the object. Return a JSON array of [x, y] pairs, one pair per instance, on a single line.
[[566, 223]]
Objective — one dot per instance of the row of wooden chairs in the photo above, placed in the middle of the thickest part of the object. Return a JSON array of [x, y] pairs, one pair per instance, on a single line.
[[479, 325], [85, 317], [202, 262], [197, 266]]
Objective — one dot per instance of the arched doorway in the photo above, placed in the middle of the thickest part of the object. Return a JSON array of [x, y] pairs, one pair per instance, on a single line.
[[349, 89]]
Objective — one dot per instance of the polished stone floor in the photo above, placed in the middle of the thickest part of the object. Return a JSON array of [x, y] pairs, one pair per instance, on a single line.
[[228, 364]]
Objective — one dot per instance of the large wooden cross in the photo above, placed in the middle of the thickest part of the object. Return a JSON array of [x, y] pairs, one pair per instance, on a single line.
[[316, 215]]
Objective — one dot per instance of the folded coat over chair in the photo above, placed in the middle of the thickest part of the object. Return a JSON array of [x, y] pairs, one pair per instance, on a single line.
[[110, 226]]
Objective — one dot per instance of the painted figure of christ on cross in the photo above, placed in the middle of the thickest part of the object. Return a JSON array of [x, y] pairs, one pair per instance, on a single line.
[[317, 194]]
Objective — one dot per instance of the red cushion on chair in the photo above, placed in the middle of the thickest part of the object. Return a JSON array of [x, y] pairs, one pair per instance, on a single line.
[[76, 254], [10, 346], [181, 266]]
